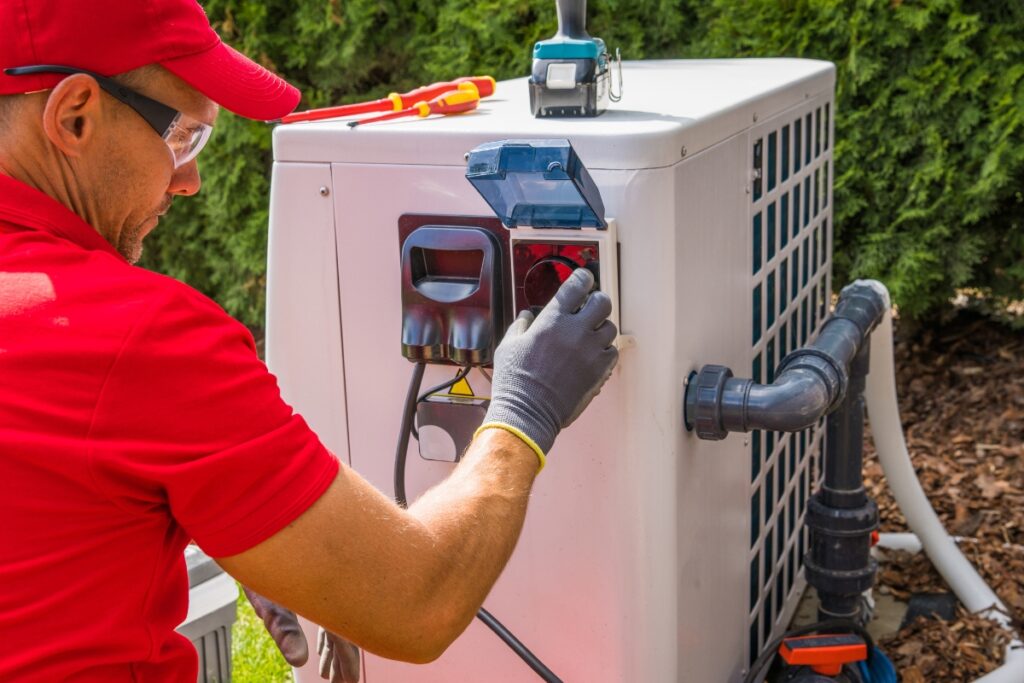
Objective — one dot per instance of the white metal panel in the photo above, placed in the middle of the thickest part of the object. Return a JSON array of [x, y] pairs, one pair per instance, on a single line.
[[712, 325], [668, 105], [303, 343]]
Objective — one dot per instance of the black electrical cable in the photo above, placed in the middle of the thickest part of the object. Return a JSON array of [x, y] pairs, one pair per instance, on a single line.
[[767, 656], [408, 417], [446, 385], [412, 397], [433, 390], [524, 652]]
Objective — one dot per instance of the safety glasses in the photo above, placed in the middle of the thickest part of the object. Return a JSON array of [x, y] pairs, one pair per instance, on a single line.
[[185, 136]]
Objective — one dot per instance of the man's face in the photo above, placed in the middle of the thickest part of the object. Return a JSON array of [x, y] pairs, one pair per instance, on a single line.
[[132, 172]]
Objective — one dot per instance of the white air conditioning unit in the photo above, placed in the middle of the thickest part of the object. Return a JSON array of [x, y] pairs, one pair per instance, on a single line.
[[647, 555]]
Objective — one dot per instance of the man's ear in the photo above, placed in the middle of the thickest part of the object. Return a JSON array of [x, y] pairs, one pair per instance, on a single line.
[[71, 113]]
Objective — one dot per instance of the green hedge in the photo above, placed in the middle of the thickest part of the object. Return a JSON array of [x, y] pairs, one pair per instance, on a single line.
[[930, 118], [929, 134]]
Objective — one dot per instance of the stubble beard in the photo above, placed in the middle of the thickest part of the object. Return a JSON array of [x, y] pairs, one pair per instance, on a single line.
[[129, 242]]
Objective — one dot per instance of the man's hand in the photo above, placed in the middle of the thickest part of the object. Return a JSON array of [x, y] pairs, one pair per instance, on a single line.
[[339, 659], [283, 627], [546, 371]]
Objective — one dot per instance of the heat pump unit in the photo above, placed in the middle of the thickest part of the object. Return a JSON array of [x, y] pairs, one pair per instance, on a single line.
[[647, 554]]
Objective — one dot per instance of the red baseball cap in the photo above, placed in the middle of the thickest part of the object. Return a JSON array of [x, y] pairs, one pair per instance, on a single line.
[[110, 37]]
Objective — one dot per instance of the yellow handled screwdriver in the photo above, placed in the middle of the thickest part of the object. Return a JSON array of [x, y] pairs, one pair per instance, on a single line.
[[451, 102]]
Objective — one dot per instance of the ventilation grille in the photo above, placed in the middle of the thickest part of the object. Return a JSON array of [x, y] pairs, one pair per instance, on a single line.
[[791, 223]]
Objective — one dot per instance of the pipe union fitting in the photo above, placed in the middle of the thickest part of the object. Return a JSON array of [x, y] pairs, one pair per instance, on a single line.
[[704, 402]]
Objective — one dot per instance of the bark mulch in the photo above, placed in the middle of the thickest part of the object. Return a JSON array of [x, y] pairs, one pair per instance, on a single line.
[[961, 393]]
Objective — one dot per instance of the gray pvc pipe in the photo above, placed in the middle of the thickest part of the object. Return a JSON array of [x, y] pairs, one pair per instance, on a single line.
[[795, 401], [804, 390], [810, 382]]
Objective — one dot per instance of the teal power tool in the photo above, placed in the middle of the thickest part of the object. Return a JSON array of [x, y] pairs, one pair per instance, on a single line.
[[572, 70]]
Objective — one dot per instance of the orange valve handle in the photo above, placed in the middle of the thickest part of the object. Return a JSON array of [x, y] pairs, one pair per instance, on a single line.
[[826, 654], [485, 86]]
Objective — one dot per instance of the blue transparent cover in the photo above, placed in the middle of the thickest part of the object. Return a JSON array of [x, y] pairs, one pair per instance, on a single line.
[[539, 183]]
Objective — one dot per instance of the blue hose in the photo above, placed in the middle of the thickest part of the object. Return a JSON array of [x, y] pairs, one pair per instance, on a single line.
[[877, 668]]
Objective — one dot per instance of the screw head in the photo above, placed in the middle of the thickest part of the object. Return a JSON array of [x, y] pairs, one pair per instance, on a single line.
[[324, 191]]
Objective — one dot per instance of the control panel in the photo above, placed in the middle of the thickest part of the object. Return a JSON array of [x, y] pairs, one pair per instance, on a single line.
[[544, 258], [465, 278], [542, 267]]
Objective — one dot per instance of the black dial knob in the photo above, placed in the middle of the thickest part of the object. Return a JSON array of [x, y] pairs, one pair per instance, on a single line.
[[544, 278]]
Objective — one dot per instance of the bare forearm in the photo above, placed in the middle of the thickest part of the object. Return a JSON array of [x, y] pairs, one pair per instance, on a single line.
[[401, 583], [474, 518]]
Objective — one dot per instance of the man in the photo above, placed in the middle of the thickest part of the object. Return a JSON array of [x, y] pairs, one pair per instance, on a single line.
[[135, 415]]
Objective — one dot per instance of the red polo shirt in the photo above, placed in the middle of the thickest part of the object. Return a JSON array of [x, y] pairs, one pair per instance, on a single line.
[[134, 416]]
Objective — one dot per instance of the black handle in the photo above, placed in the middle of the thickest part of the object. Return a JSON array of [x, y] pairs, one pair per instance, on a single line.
[[572, 19]]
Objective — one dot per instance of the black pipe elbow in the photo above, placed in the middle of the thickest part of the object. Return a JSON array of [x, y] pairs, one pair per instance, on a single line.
[[811, 381], [793, 403]]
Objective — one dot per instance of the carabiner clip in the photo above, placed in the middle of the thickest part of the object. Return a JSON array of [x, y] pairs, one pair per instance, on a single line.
[[611, 94]]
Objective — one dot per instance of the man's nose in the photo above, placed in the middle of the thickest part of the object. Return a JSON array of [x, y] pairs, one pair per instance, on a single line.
[[185, 180]]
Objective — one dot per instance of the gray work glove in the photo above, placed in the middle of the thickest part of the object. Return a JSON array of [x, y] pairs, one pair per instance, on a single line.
[[548, 369], [339, 659], [283, 627], [341, 656]]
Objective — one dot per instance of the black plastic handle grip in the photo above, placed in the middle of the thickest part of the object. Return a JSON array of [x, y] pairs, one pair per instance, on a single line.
[[572, 19]]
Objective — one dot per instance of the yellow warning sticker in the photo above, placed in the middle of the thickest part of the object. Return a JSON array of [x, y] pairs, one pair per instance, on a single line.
[[461, 388]]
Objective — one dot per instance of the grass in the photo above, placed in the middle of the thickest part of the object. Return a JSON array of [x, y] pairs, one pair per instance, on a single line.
[[254, 657]]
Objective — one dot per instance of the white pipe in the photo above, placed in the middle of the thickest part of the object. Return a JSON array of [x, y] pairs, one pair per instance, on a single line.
[[887, 431], [900, 540], [905, 540]]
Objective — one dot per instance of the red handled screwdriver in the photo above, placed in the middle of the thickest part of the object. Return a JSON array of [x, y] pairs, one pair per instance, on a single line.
[[484, 85], [451, 102]]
